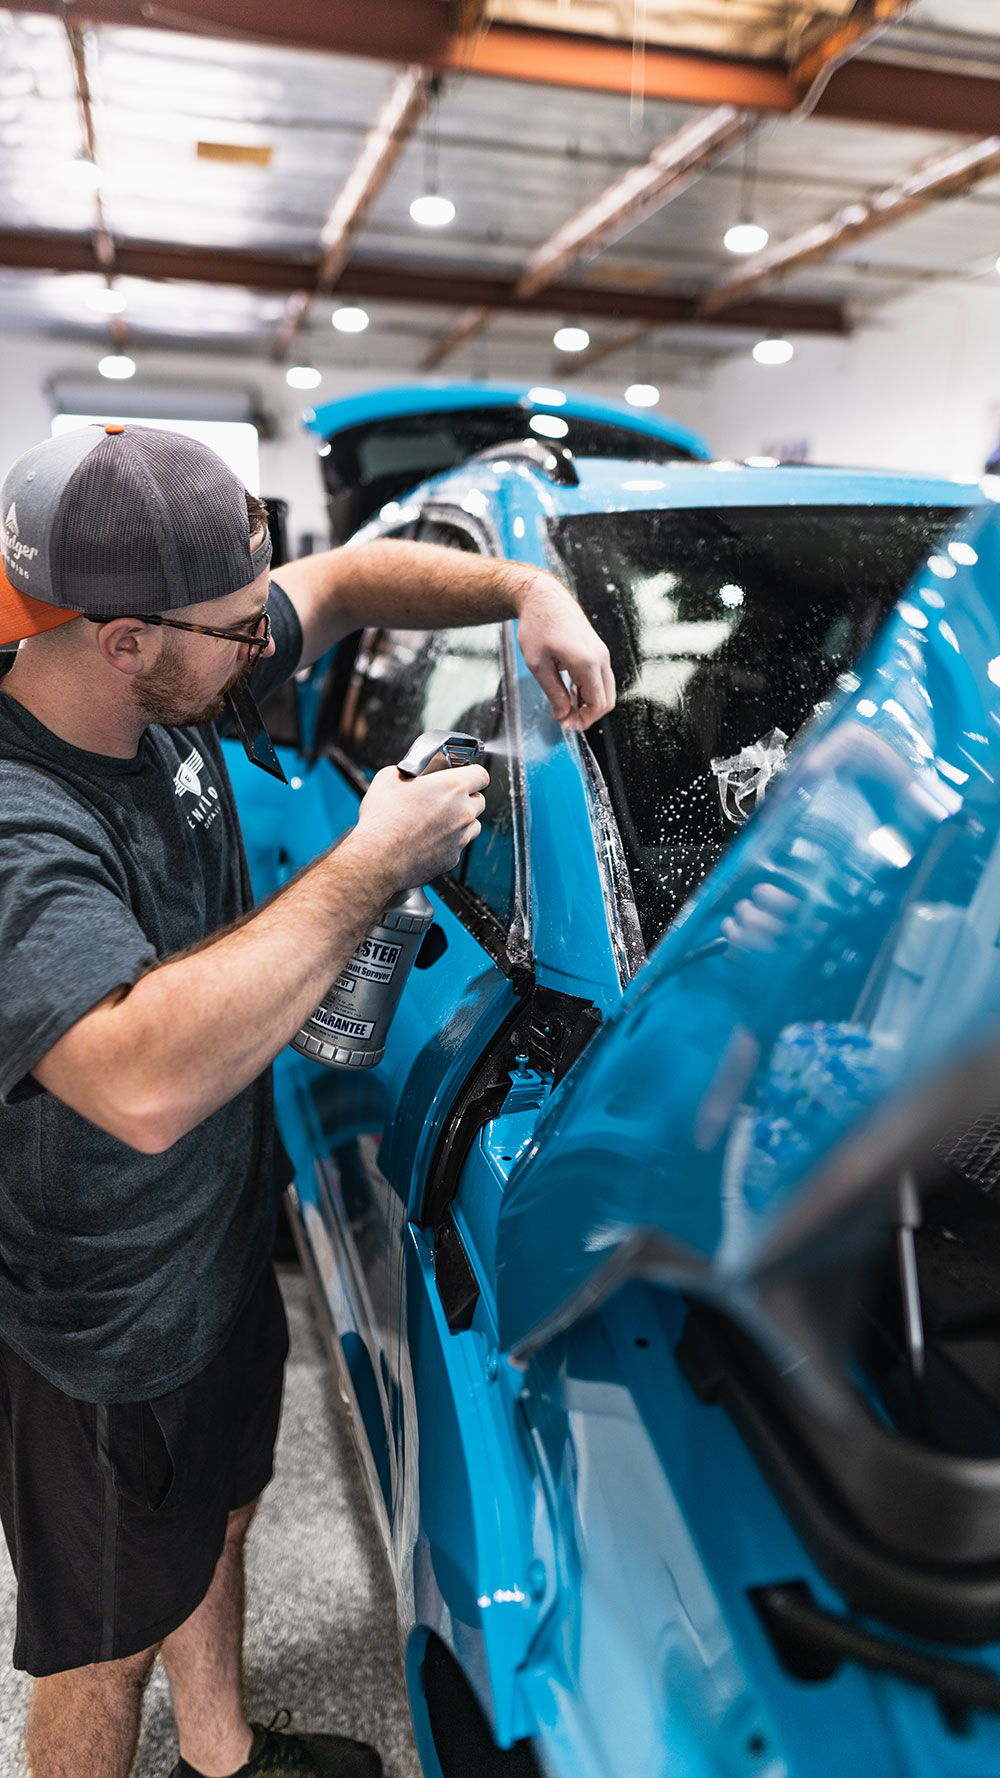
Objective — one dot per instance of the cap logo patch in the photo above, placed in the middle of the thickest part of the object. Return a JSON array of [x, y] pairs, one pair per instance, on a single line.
[[16, 553]]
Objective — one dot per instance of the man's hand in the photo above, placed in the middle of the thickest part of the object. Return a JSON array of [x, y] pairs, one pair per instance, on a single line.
[[557, 638], [396, 584], [418, 827]]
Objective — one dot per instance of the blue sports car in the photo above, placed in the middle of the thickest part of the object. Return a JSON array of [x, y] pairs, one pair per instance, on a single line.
[[659, 1256], [376, 445]]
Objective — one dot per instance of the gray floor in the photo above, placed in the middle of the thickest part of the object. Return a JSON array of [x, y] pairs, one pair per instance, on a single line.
[[321, 1627]]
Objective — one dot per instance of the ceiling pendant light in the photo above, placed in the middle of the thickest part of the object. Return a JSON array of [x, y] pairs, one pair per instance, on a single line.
[[106, 300], [349, 320], [83, 172], [431, 209], [746, 236], [773, 351], [571, 339], [118, 366], [303, 376], [642, 395]]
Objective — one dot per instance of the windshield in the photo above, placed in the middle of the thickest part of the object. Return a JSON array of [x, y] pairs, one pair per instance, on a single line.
[[724, 626]]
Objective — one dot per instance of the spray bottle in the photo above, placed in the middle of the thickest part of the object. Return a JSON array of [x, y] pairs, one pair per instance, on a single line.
[[348, 1028]]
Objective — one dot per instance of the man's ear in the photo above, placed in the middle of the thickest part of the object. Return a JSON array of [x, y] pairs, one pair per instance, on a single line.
[[128, 645]]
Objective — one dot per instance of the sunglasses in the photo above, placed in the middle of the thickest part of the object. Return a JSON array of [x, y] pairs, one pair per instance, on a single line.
[[255, 640]]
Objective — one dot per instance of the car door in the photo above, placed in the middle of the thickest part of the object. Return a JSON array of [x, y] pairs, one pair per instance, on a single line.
[[360, 1140]]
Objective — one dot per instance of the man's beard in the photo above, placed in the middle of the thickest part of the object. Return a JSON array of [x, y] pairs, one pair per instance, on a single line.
[[168, 695]]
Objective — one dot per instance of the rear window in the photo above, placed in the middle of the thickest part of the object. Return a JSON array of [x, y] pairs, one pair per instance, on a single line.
[[369, 464], [722, 626]]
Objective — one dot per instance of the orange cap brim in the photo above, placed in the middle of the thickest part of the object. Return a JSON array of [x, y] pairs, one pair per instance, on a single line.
[[21, 616]]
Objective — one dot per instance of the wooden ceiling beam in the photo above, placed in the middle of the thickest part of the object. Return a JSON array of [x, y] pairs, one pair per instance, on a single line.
[[388, 134], [470, 322], [872, 90], [946, 176], [381, 30], [812, 71], [674, 165], [877, 91], [399, 282]]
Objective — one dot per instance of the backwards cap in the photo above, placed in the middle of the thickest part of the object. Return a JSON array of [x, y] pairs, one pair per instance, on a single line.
[[114, 521]]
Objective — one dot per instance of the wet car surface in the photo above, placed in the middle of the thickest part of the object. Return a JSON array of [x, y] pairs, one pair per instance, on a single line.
[[656, 1256]]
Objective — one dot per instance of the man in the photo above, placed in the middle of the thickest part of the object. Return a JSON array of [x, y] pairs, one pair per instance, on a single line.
[[142, 1337]]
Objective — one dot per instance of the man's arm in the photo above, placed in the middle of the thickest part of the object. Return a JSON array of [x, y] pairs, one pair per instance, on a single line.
[[151, 1062], [422, 586]]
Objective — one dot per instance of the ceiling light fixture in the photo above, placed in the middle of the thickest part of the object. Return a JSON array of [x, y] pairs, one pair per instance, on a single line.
[[349, 320], [117, 366], [303, 376], [106, 300], [571, 339], [642, 395], [547, 397], [430, 209], [773, 351], [84, 172], [746, 236]]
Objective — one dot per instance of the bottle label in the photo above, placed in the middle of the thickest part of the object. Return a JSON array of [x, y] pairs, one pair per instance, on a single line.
[[373, 961], [343, 1026]]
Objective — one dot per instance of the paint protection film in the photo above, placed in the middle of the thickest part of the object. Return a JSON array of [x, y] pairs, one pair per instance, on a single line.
[[725, 626]]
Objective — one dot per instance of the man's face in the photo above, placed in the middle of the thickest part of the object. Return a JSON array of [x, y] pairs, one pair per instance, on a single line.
[[193, 673]]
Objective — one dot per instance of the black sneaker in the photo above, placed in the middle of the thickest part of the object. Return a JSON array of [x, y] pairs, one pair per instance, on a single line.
[[282, 1755]]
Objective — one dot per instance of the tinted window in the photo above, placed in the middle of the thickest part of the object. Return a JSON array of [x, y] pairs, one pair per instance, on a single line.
[[372, 463], [722, 626], [405, 681]]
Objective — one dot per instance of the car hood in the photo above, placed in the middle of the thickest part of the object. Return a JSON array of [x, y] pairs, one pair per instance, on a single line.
[[804, 1022]]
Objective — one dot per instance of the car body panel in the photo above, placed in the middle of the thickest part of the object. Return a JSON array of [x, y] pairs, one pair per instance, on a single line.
[[713, 1176], [426, 398], [560, 1508]]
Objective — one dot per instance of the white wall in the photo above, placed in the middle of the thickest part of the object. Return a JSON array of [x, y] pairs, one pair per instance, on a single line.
[[918, 387], [289, 467]]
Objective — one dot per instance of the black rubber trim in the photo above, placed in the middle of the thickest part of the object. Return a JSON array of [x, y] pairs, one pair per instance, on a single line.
[[813, 1644], [455, 1279], [944, 1602], [551, 1029]]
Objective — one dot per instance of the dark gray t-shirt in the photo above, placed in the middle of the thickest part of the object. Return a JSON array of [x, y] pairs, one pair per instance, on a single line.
[[121, 1274]]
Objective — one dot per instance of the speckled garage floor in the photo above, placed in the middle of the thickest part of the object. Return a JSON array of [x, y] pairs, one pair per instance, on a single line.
[[321, 1626]]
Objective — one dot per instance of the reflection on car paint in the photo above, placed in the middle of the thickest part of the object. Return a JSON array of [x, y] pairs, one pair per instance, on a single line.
[[685, 1274]]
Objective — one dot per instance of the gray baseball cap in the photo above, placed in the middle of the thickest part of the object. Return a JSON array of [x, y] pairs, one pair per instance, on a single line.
[[114, 521]]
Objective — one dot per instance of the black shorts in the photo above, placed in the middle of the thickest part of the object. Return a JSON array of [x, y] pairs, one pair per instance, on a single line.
[[115, 1516]]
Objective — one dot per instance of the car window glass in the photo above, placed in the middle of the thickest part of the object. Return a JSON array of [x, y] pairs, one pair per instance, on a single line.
[[405, 681], [723, 625]]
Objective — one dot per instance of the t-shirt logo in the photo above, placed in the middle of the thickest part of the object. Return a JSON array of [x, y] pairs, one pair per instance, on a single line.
[[186, 777], [188, 781]]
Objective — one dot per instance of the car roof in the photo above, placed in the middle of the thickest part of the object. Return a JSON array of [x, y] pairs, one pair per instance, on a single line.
[[604, 484], [417, 398]]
